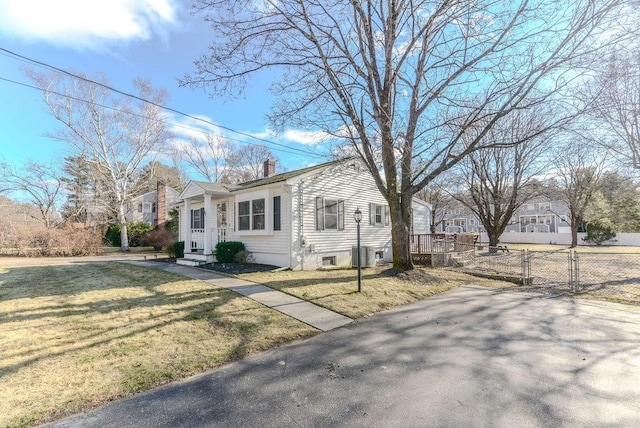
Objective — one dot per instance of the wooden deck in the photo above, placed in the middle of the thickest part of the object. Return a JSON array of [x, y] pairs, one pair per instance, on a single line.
[[437, 248], [439, 243]]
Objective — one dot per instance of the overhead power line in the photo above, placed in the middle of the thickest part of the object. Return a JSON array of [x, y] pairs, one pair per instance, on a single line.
[[177, 125], [17, 56]]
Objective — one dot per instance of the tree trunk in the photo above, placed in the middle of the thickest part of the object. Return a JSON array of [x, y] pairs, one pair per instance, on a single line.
[[124, 237], [494, 238], [400, 235], [574, 234]]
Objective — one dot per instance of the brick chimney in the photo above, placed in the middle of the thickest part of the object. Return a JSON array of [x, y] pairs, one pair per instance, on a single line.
[[161, 205], [269, 168]]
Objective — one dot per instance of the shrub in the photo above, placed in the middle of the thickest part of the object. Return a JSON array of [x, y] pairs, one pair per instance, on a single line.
[[178, 249], [173, 224], [243, 257], [226, 251], [158, 239], [135, 231], [599, 232], [54, 242]]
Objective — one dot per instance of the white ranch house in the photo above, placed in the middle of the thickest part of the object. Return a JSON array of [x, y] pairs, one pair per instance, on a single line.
[[302, 219]]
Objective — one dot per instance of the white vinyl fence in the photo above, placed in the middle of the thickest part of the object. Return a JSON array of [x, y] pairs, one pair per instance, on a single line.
[[623, 239]]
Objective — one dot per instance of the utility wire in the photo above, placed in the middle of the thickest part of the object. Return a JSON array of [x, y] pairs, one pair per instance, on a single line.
[[177, 125], [178, 112]]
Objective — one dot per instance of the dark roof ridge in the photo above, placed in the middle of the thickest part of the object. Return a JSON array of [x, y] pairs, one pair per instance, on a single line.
[[290, 174]]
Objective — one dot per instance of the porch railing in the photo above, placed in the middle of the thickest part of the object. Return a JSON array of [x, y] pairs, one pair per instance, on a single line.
[[219, 234], [197, 239]]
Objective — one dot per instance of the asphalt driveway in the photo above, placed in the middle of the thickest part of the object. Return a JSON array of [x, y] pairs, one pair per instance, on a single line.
[[468, 357]]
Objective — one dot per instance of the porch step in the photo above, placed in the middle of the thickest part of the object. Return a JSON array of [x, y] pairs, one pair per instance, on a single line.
[[189, 262], [194, 259]]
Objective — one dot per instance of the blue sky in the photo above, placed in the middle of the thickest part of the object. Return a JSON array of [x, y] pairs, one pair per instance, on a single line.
[[153, 39]]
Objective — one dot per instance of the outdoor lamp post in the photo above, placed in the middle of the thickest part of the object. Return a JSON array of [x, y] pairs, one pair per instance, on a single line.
[[357, 215]]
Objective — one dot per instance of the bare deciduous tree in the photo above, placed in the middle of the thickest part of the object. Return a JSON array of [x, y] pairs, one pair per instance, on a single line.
[[209, 158], [114, 134], [41, 184], [615, 92], [578, 174], [392, 77], [247, 162], [441, 203], [496, 182]]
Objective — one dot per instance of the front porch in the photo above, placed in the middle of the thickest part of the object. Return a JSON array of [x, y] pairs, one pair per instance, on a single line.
[[203, 221]]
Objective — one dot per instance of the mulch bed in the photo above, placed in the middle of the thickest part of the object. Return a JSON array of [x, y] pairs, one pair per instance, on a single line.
[[414, 275], [237, 268]]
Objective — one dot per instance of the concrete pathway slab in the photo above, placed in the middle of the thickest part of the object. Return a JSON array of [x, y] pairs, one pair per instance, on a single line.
[[318, 317], [470, 357]]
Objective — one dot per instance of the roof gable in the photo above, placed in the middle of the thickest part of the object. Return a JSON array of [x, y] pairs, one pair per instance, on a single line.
[[199, 188]]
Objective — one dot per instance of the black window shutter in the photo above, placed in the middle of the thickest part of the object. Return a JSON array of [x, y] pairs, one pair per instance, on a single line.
[[387, 215], [372, 213], [319, 213], [340, 215], [276, 212]]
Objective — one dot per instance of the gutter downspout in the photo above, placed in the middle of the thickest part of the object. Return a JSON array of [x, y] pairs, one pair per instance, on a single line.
[[301, 222], [290, 228]]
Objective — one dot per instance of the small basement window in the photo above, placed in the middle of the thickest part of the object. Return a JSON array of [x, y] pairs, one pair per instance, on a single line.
[[329, 261]]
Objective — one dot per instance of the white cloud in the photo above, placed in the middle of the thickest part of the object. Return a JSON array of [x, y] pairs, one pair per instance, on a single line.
[[194, 127], [308, 138], [85, 23]]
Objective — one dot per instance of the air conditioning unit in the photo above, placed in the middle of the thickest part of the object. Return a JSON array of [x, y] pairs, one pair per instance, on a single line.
[[367, 256]]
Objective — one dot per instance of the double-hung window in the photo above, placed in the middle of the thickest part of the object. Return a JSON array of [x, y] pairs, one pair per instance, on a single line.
[[257, 214], [251, 215], [329, 214], [197, 219], [379, 215]]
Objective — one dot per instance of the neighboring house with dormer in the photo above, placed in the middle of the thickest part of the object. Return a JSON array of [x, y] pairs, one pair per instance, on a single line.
[[535, 216], [460, 219], [301, 219], [541, 216], [152, 207]]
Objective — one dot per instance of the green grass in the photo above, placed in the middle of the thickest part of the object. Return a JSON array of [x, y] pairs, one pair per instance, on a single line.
[[75, 336], [337, 289]]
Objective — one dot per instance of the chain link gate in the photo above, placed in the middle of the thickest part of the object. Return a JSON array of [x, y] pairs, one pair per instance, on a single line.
[[615, 275]]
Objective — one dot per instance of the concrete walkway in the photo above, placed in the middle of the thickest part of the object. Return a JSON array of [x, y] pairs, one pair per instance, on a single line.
[[313, 315]]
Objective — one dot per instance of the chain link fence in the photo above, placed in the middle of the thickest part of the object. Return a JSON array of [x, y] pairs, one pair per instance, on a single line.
[[614, 275]]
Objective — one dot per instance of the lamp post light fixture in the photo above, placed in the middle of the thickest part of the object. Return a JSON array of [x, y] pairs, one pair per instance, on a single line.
[[357, 216]]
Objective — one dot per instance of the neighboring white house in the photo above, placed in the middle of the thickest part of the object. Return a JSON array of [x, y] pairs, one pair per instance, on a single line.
[[535, 216], [302, 219], [152, 207]]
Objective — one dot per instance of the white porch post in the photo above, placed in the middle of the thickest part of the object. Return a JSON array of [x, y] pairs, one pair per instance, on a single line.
[[208, 221], [186, 226]]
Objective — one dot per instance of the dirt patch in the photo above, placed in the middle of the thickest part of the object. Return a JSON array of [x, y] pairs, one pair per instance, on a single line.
[[238, 268], [415, 275]]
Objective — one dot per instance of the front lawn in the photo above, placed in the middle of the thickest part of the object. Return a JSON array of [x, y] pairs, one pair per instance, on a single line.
[[381, 289], [73, 337]]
